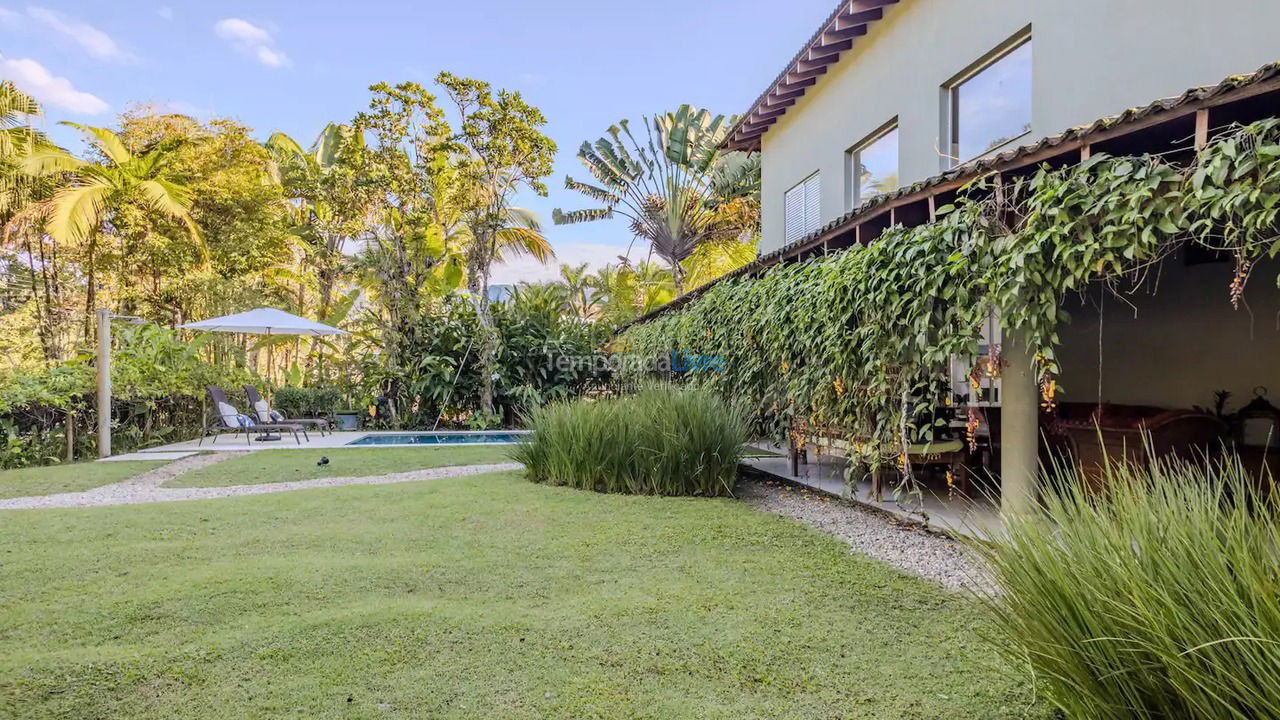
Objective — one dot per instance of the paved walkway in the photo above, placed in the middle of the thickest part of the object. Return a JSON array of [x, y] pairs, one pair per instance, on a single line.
[[146, 487]]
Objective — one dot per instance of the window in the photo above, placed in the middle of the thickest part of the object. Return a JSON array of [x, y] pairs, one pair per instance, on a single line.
[[873, 165], [990, 106], [802, 208]]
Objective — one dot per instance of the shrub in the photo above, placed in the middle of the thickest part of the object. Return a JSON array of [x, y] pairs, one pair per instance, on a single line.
[[296, 402], [660, 441], [1156, 601]]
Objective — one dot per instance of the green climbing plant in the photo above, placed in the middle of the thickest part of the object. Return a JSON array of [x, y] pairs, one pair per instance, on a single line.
[[862, 340]]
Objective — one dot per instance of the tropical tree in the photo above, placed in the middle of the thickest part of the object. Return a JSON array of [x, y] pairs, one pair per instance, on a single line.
[[627, 290], [669, 185], [577, 285], [97, 190], [18, 139], [31, 274], [329, 204], [499, 150]]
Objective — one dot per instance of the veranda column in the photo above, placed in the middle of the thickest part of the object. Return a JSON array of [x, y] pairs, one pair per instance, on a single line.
[[1019, 427]]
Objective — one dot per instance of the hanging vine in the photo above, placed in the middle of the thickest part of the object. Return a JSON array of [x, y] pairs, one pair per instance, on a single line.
[[861, 340]]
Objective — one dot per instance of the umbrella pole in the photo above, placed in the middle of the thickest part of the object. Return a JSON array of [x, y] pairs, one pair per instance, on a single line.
[[267, 384]]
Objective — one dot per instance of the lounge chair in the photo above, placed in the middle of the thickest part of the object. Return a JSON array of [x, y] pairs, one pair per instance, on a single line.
[[230, 420], [262, 413]]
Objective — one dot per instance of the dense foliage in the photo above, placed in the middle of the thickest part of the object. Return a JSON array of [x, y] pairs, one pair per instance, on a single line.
[[862, 339], [544, 355], [662, 440], [1156, 600], [158, 396], [388, 226]]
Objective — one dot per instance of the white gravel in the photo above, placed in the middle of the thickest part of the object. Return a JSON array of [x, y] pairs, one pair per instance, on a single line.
[[146, 488], [919, 552]]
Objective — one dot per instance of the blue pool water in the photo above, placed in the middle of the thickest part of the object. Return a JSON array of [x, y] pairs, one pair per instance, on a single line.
[[439, 438]]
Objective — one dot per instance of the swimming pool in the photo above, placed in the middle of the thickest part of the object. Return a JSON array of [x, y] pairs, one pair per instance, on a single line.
[[441, 438]]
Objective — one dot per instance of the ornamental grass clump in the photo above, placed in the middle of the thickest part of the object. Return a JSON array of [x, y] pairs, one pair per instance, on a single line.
[[663, 440], [1159, 600]]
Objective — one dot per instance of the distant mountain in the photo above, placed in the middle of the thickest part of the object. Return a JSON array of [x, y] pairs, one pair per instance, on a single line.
[[498, 293]]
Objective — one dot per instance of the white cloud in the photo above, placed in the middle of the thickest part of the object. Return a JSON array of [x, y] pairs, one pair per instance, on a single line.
[[526, 269], [32, 77], [92, 40], [252, 40], [165, 12]]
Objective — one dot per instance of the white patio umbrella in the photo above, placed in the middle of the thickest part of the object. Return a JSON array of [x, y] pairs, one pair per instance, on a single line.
[[265, 321]]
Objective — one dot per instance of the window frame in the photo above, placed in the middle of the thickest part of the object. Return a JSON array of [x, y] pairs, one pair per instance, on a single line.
[[853, 192], [950, 100]]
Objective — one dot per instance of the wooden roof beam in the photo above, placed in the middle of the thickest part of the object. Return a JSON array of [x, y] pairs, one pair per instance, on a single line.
[[803, 64], [785, 87], [757, 127], [795, 75], [847, 33], [857, 6], [760, 115], [829, 49], [860, 17], [777, 97]]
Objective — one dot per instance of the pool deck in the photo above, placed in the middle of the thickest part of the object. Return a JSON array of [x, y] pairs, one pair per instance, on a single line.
[[237, 443]]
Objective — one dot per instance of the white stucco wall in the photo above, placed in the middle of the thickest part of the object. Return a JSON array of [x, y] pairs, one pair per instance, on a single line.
[[1090, 58]]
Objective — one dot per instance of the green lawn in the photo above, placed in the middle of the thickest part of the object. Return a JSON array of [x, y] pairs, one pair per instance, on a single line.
[[68, 478], [272, 466], [486, 597]]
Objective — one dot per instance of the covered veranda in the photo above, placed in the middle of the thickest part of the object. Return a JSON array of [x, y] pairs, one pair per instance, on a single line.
[[1152, 357]]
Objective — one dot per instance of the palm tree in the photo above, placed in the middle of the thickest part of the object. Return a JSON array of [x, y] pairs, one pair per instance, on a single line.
[[18, 139], [21, 213], [624, 291], [96, 191], [668, 185], [577, 284]]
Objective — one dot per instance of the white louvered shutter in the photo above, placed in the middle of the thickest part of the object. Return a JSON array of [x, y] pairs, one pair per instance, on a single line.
[[801, 210], [794, 222], [812, 191]]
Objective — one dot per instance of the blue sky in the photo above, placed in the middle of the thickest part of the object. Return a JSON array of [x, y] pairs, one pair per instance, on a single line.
[[295, 66]]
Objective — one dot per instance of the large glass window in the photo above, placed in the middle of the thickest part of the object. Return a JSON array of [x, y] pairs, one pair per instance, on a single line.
[[802, 208], [873, 166], [991, 107]]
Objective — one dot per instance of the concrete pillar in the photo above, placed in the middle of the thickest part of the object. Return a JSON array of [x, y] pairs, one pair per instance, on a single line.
[[1019, 427]]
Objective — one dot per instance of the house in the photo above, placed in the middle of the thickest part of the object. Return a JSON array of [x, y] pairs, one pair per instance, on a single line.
[[890, 92], [893, 105]]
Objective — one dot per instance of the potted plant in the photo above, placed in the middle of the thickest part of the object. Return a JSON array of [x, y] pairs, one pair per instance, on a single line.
[[348, 419]]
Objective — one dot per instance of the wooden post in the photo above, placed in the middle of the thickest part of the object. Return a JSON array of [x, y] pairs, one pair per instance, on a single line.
[[1202, 128], [104, 383], [71, 436]]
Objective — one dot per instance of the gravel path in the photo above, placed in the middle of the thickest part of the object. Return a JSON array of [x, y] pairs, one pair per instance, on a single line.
[[146, 488], [928, 555]]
